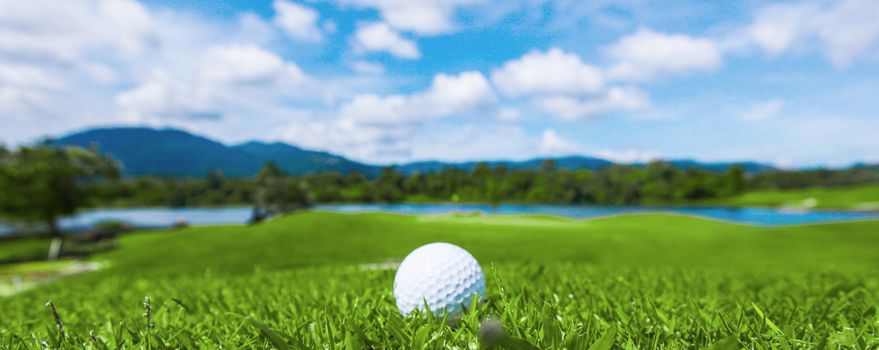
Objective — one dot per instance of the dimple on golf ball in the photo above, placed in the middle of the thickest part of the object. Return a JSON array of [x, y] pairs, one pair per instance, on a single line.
[[441, 275]]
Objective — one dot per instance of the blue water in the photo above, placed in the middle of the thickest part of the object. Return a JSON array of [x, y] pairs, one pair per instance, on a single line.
[[165, 217], [755, 216], [151, 217]]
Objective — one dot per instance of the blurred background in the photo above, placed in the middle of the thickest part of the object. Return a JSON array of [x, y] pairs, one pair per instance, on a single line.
[[127, 116]]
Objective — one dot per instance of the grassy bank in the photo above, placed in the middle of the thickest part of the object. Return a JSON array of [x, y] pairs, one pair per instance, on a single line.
[[20, 249], [645, 281], [852, 198]]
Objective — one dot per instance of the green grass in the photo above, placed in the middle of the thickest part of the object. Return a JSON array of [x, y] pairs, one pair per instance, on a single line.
[[24, 249], [856, 198], [639, 282]]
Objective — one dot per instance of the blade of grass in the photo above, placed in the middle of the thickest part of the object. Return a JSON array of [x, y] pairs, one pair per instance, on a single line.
[[606, 340]]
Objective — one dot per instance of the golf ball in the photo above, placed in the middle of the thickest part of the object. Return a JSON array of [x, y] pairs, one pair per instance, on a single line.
[[441, 275]]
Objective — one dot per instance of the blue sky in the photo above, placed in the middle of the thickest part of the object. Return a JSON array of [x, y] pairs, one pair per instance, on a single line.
[[790, 83]]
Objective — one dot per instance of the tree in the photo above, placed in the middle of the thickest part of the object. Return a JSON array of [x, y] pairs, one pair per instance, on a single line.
[[277, 193], [494, 186], [698, 185], [416, 184], [389, 186], [659, 182], [734, 181], [548, 166], [325, 187], [357, 188], [42, 184], [215, 180]]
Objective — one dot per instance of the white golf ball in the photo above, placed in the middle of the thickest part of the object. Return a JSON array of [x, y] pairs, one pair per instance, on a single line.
[[441, 275]]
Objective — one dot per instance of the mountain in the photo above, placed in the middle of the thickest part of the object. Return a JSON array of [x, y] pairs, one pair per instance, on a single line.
[[296, 160], [165, 152], [748, 167], [570, 162], [869, 166], [176, 153], [577, 162]]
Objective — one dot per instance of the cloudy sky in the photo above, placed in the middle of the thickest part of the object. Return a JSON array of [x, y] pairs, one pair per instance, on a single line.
[[792, 83]]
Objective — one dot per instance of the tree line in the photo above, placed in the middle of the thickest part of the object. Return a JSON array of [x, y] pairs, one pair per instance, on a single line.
[[42, 183], [653, 184]]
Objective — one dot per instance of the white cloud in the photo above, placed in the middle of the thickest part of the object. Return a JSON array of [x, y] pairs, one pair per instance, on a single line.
[[553, 144], [162, 98], [364, 142], [228, 76], [60, 59], [297, 21], [25, 87], [33, 28], [629, 156], [378, 110], [118, 62], [476, 140], [365, 67], [66, 65], [423, 17], [616, 99], [774, 30], [509, 114], [562, 85], [379, 37], [647, 54], [247, 64], [37, 45], [843, 30], [786, 163], [451, 94], [253, 29], [383, 127], [567, 108], [447, 95], [149, 98], [762, 111], [23, 75], [550, 72]]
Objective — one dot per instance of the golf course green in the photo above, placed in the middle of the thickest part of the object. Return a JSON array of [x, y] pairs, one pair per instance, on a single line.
[[316, 280], [865, 197]]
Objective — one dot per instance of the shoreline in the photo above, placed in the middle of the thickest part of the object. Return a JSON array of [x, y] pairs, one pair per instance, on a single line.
[[7, 231], [651, 206]]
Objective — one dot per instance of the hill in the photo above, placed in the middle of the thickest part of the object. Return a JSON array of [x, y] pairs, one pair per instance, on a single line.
[[296, 160], [176, 153], [862, 197], [748, 167], [570, 162], [164, 152], [576, 162]]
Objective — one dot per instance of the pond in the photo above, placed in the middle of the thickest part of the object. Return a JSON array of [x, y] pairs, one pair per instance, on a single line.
[[165, 217], [755, 216]]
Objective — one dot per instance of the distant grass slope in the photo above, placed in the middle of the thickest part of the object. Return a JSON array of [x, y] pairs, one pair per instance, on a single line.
[[856, 198], [649, 281], [23, 249]]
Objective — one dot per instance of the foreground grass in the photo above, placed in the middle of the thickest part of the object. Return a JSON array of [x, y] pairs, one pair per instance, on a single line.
[[854, 198], [648, 281]]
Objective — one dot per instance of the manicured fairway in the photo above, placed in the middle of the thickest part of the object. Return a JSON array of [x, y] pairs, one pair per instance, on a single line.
[[311, 281], [855, 198]]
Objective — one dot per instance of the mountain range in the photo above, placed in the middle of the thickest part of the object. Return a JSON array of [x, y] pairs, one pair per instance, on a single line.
[[177, 153]]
